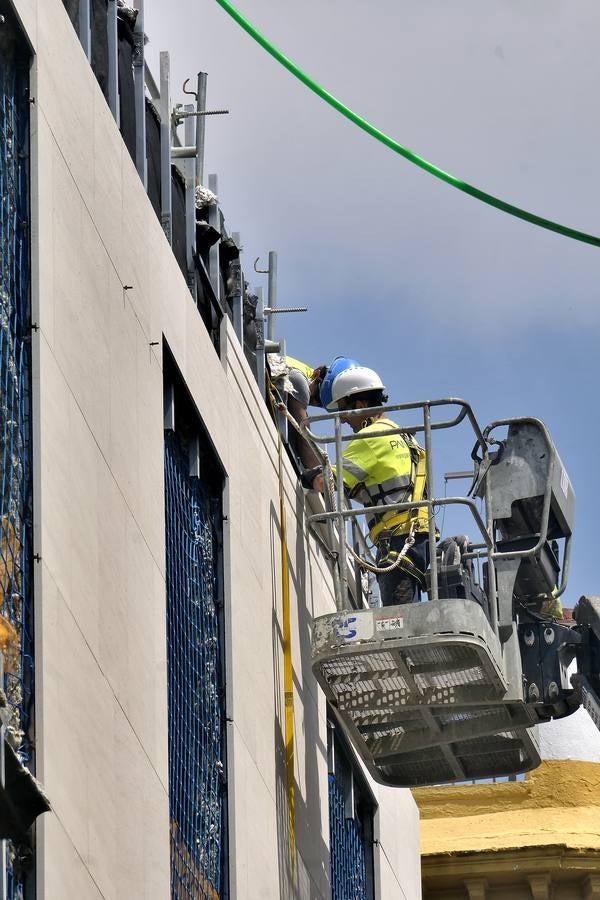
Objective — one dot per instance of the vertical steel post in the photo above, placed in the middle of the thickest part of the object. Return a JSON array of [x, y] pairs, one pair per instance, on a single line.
[[169, 407], [141, 161], [339, 452], [214, 220], [85, 27], [237, 299], [194, 456], [272, 293], [200, 127], [189, 168], [282, 422], [260, 343], [492, 584], [165, 144], [433, 572], [113, 60]]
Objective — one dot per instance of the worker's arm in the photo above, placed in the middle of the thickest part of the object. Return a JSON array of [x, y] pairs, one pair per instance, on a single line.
[[353, 474]]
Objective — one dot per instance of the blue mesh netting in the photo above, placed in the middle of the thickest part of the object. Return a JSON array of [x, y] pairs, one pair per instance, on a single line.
[[195, 684], [15, 386], [346, 845]]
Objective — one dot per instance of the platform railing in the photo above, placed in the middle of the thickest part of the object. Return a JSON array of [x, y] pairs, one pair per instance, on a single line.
[[338, 512]]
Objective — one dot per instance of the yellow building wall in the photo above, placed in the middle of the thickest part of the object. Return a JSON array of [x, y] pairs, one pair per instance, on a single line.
[[538, 838]]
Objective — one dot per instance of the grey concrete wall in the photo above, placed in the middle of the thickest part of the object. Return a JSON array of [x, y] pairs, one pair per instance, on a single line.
[[99, 523]]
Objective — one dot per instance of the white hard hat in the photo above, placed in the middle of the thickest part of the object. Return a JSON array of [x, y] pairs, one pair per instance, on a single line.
[[351, 381]]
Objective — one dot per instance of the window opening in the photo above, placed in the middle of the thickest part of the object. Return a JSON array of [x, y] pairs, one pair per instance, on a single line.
[[195, 651], [351, 815], [16, 555]]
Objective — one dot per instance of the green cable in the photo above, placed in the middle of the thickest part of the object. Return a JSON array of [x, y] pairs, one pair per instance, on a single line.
[[398, 148]]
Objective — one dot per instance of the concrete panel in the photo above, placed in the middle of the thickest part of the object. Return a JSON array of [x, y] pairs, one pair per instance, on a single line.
[[255, 830], [398, 853], [65, 93], [150, 507], [142, 823], [27, 12], [123, 455], [81, 288], [106, 162], [133, 264], [102, 701], [100, 780], [42, 205], [66, 874], [55, 475], [85, 463]]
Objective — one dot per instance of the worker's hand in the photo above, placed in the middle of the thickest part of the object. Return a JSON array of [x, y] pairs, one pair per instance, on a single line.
[[319, 484], [314, 385]]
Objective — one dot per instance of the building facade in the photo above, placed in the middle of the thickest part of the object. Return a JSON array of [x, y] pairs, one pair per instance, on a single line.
[[537, 838], [178, 758]]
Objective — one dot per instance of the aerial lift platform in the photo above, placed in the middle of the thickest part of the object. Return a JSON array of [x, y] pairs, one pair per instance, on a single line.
[[452, 689]]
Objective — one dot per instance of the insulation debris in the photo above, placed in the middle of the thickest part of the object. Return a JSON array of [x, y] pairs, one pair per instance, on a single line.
[[280, 371], [204, 197]]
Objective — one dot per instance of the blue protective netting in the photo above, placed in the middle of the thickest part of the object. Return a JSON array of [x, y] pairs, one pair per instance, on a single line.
[[195, 683], [15, 386], [348, 858]]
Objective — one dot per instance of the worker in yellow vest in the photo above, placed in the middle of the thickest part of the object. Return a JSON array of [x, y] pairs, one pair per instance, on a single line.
[[380, 470], [305, 383]]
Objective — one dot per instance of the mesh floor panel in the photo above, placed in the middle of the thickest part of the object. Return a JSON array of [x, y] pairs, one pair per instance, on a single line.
[[490, 757], [409, 675]]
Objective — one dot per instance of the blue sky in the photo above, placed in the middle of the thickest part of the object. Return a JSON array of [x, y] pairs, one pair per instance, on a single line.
[[441, 294]]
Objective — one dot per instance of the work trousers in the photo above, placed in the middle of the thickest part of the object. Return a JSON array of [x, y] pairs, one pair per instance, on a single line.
[[403, 584]]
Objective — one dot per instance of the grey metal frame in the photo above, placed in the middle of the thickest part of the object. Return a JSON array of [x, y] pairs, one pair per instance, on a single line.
[[189, 169], [165, 145], [428, 426], [272, 294], [113, 60], [440, 709], [545, 516], [214, 220], [260, 342], [140, 95], [200, 125], [486, 528], [85, 27], [237, 298]]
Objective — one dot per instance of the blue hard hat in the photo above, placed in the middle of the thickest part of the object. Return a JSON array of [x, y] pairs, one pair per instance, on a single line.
[[339, 364]]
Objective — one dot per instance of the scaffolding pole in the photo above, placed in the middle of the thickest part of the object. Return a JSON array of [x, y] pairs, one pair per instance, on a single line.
[[113, 60], [214, 220], [140, 95], [165, 145], [85, 28]]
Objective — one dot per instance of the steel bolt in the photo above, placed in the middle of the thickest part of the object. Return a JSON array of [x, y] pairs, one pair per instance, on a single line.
[[529, 638]]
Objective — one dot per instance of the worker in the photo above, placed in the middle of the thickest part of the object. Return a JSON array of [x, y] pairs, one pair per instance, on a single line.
[[301, 382], [379, 470]]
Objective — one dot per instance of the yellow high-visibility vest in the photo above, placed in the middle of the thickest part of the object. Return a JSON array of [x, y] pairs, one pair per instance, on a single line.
[[379, 470]]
